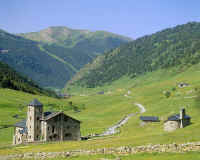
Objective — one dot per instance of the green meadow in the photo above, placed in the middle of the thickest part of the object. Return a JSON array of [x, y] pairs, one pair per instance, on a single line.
[[98, 112]]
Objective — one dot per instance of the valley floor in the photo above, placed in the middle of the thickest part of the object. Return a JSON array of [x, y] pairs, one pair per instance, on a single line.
[[99, 112]]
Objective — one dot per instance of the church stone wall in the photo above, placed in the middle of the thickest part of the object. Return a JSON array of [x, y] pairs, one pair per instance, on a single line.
[[19, 138], [33, 123]]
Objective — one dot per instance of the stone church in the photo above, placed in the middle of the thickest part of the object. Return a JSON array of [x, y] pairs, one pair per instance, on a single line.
[[45, 126]]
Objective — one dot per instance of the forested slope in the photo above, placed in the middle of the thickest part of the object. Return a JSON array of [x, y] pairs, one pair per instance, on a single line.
[[11, 79], [178, 46], [60, 53]]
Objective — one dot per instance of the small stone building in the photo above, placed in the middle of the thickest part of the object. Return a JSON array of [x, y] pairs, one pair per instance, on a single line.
[[45, 126], [177, 121]]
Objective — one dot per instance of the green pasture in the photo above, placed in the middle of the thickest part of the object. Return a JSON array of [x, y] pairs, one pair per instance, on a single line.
[[98, 112]]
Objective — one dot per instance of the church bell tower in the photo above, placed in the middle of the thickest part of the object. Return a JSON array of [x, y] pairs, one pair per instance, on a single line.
[[33, 123]]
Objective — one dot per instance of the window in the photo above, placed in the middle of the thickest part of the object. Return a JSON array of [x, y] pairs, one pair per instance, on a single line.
[[37, 136], [30, 137], [68, 127], [30, 127], [53, 129], [55, 136], [48, 128], [30, 118], [68, 135], [38, 118]]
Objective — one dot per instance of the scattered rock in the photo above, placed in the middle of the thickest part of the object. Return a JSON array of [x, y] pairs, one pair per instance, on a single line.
[[183, 84], [178, 148]]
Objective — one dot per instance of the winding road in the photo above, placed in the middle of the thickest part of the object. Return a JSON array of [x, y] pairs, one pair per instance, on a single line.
[[113, 129], [142, 109]]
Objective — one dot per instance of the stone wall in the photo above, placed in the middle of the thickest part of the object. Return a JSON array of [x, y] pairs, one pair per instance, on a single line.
[[18, 137], [159, 148], [61, 128], [170, 126], [33, 123], [71, 129]]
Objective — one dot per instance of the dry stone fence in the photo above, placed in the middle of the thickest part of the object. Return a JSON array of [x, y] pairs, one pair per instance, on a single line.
[[159, 148]]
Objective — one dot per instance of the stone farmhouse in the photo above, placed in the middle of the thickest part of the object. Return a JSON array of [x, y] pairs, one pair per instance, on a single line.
[[45, 126], [177, 121]]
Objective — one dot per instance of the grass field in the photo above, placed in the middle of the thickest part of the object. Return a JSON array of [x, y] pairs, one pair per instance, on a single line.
[[98, 112]]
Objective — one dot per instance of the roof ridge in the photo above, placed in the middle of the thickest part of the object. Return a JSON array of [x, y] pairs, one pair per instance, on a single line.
[[35, 102]]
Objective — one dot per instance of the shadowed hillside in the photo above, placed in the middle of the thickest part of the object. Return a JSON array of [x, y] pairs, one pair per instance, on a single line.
[[12, 80], [56, 55]]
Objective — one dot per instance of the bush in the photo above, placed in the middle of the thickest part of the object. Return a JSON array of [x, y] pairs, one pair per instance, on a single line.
[[174, 89], [167, 94]]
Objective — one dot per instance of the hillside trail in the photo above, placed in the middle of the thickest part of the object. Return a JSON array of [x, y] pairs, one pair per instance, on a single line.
[[142, 109], [114, 129]]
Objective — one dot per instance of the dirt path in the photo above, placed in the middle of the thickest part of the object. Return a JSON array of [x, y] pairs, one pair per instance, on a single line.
[[142, 109], [114, 129]]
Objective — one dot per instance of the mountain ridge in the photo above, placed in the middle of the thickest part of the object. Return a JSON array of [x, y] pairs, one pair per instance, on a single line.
[[52, 64], [170, 47], [60, 34]]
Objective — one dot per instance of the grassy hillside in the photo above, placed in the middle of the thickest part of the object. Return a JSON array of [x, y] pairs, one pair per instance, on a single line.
[[178, 46], [26, 57], [86, 41], [52, 61], [99, 112]]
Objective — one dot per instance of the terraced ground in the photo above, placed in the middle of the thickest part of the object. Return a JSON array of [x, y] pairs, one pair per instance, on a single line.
[[98, 112]]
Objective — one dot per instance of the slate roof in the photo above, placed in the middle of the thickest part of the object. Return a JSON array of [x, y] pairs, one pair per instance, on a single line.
[[149, 118], [177, 117], [35, 103], [102, 92], [50, 115], [47, 113], [22, 124]]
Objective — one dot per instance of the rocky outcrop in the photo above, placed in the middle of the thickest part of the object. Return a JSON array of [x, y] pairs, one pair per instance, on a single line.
[[159, 148]]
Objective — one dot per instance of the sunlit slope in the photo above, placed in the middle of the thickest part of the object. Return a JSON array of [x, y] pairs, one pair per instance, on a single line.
[[98, 112], [172, 47]]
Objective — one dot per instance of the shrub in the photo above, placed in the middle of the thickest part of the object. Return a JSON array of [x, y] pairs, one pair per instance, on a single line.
[[167, 94], [174, 89]]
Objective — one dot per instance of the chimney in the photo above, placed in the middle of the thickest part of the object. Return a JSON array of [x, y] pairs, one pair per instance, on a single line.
[[182, 113]]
